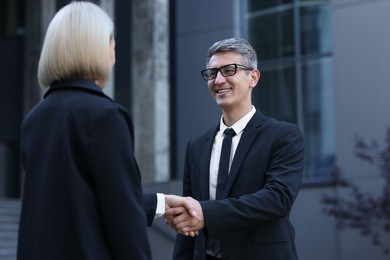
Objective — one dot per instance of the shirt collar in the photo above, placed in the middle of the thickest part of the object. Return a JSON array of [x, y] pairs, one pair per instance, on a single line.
[[238, 126]]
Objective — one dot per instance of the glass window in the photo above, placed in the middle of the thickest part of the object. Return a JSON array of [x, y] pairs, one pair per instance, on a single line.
[[275, 93], [254, 5], [293, 41], [318, 117], [276, 43], [11, 18], [315, 29]]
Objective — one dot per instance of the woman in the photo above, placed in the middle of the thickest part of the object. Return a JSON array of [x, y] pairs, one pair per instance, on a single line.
[[82, 193]]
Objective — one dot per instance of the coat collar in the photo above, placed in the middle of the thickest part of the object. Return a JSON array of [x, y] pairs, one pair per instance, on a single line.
[[205, 155], [248, 136], [76, 83], [250, 132]]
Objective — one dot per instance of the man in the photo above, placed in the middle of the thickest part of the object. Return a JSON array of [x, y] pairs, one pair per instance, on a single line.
[[245, 216]]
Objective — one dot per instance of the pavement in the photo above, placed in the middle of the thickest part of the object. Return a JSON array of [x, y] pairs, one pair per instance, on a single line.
[[9, 223]]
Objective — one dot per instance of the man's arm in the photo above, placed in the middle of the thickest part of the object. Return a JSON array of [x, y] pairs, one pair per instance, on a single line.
[[150, 206]]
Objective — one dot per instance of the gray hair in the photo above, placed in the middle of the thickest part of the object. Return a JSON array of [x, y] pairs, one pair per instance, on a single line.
[[238, 45]]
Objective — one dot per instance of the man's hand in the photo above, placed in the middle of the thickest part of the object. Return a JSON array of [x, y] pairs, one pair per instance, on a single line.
[[174, 201], [184, 214]]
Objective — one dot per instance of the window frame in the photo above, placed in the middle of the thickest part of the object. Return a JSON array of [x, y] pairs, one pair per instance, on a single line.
[[298, 60]]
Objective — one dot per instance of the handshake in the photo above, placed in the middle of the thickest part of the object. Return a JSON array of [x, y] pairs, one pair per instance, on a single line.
[[184, 214]]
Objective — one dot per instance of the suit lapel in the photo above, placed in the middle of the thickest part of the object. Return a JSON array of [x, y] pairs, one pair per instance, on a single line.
[[204, 165], [249, 134]]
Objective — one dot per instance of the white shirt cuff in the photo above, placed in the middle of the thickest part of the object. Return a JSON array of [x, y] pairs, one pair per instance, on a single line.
[[160, 209]]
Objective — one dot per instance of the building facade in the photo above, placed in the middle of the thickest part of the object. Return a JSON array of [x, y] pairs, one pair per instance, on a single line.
[[324, 66]]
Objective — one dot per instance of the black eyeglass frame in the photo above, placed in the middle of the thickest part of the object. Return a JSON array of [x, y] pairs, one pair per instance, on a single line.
[[205, 73]]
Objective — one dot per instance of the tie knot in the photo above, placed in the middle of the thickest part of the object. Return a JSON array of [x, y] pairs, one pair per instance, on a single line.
[[229, 131]]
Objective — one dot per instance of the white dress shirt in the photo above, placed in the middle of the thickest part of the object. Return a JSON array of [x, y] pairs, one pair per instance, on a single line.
[[238, 127]]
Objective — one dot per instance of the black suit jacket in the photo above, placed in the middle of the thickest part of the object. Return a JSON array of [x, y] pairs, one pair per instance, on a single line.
[[252, 222], [82, 195]]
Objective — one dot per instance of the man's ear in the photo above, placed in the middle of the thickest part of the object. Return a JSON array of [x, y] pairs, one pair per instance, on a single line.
[[255, 77]]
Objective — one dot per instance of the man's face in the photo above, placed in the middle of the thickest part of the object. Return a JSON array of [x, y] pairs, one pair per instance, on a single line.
[[232, 92]]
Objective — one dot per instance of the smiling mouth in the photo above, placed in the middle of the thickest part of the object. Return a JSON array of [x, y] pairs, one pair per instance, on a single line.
[[221, 91]]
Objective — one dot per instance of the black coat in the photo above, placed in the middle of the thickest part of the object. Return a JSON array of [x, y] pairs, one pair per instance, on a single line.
[[82, 194], [252, 222]]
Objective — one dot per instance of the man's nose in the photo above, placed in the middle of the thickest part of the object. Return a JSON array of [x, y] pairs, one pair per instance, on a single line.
[[219, 77]]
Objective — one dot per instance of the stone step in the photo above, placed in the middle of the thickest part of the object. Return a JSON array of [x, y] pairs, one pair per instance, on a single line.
[[9, 223]]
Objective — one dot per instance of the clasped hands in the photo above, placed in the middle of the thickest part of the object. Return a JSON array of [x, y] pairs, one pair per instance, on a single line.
[[184, 215]]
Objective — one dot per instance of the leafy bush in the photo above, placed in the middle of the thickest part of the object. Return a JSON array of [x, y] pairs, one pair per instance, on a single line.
[[363, 211]]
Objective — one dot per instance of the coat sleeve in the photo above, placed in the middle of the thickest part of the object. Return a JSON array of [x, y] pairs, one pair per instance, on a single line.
[[184, 246], [150, 204], [117, 183]]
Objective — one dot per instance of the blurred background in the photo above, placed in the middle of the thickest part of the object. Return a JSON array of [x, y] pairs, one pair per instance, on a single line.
[[325, 66]]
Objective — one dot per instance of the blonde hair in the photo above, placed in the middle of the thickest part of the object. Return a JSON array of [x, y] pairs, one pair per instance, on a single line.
[[76, 45]]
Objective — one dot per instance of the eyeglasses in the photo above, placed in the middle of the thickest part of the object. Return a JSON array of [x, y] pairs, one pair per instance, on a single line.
[[226, 71]]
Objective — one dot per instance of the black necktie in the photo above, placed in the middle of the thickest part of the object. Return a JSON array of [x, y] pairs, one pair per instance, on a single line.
[[223, 169]]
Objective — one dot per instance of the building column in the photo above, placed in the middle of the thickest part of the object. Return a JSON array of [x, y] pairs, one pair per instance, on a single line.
[[150, 87]]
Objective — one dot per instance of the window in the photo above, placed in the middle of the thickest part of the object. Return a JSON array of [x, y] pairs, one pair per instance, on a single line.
[[292, 40], [11, 18]]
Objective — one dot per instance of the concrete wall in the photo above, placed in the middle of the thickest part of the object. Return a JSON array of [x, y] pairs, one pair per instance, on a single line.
[[150, 87], [361, 46], [361, 61], [198, 25]]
